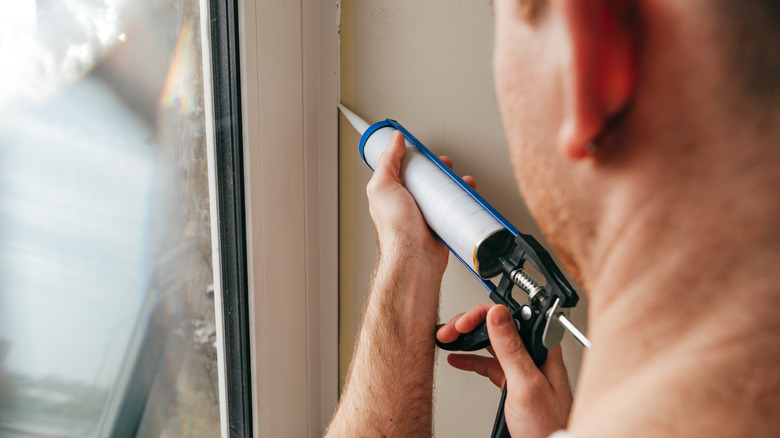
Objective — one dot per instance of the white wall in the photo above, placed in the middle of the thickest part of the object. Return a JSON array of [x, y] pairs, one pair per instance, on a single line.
[[428, 65]]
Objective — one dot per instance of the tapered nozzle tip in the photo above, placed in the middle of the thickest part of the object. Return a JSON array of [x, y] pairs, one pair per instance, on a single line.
[[359, 124]]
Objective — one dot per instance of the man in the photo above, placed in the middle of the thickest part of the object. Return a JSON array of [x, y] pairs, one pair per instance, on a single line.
[[648, 138]]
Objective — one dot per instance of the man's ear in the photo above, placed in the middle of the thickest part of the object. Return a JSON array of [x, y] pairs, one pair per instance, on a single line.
[[601, 66]]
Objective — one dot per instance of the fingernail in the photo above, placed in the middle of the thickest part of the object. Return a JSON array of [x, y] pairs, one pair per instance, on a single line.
[[500, 316]]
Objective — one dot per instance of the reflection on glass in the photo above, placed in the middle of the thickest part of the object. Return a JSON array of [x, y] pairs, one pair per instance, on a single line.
[[107, 323]]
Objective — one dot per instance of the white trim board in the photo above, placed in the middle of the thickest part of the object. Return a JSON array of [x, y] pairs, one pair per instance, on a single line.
[[289, 82]]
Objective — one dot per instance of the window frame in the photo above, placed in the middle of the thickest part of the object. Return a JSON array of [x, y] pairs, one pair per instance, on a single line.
[[224, 127]]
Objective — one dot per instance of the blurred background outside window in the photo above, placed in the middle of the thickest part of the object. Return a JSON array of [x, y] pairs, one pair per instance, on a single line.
[[107, 314]]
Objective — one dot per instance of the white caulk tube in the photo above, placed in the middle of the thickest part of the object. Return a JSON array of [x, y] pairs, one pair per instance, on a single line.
[[472, 229]]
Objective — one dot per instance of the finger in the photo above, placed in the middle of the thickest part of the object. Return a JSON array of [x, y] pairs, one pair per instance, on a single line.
[[390, 159], [484, 366], [447, 332], [387, 174], [457, 324], [521, 372], [555, 370], [446, 160], [472, 318], [455, 318], [468, 179]]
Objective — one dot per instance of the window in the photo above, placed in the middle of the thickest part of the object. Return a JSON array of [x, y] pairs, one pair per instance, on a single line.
[[110, 323], [126, 304]]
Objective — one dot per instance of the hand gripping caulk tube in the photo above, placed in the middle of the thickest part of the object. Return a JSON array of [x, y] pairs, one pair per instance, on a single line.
[[472, 230]]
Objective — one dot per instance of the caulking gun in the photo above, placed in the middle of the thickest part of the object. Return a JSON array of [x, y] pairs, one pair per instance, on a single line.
[[487, 244]]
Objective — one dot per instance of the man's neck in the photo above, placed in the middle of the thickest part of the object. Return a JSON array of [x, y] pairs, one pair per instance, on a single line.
[[681, 316]]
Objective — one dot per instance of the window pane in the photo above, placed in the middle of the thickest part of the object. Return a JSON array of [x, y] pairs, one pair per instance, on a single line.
[[107, 318]]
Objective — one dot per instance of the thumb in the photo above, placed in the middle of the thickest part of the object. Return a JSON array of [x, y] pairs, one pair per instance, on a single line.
[[390, 160], [518, 366]]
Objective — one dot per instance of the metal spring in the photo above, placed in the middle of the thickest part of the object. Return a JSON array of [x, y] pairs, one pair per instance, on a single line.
[[527, 283]]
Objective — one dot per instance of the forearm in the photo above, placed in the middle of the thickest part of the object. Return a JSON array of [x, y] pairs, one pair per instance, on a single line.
[[390, 383], [389, 388]]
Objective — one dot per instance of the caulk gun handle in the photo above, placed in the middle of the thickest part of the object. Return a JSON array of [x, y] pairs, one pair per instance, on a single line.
[[474, 340], [478, 339]]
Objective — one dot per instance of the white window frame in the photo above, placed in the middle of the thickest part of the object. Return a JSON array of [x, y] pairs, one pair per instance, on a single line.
[[289, 80]]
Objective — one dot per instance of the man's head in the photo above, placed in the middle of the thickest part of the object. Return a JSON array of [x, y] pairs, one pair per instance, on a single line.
[[613, 105]]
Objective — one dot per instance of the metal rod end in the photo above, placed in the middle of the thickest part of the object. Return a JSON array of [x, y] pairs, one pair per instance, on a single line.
[[574, 331]]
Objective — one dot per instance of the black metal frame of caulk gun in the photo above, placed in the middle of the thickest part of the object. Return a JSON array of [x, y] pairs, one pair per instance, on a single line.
[[534, 320]]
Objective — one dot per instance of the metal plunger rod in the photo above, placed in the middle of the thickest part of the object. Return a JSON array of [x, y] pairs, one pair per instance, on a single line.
[[573, 330], [534, 289]]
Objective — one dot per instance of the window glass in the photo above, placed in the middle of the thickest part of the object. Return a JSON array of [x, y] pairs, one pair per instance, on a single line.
[[107, 316]]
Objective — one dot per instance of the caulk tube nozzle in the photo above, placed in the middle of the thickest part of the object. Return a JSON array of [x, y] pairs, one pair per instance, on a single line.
[[359, 124]]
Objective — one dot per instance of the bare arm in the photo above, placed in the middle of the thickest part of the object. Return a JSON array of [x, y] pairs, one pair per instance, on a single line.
[[390, 383]]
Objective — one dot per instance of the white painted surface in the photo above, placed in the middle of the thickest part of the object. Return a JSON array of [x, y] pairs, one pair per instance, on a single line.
[[289, 66], [428, 65]]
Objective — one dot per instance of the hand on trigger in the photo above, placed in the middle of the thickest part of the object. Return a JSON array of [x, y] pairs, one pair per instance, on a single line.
[[539, 399]]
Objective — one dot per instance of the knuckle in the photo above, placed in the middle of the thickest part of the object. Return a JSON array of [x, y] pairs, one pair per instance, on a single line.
[[455, 319], [481, 368], [513, 344], [536, 383], [475, 311], [536, 386], [373, 187]]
